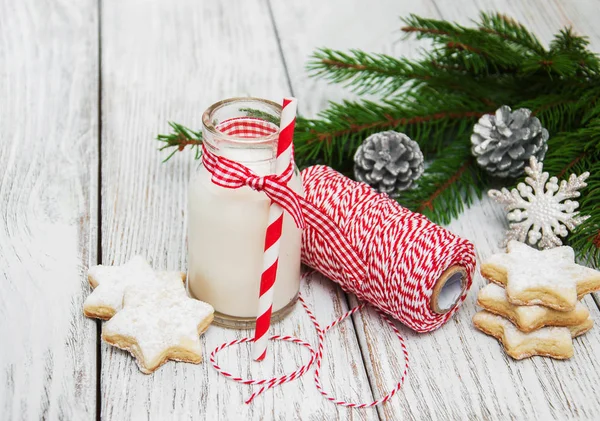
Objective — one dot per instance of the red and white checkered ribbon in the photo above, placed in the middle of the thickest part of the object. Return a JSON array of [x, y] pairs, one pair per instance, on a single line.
[[233, 175]]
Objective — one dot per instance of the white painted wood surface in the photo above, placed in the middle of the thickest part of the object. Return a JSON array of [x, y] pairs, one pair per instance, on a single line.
[[165, 61], [48, 202]]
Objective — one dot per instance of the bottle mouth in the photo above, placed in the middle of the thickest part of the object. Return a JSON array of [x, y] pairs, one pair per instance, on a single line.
[[221, 119]]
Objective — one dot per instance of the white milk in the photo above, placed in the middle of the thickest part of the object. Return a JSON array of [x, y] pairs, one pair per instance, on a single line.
[[226, 234]]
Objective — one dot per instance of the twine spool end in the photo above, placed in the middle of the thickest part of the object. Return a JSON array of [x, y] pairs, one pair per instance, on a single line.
[[449, 287]]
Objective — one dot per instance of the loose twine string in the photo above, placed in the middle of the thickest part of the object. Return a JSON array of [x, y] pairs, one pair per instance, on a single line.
[[315, 358]]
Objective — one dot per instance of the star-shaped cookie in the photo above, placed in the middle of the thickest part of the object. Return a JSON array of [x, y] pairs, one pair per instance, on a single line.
[[492, 298], [549, 278], [159, 324], [110, 283], [555, 342]]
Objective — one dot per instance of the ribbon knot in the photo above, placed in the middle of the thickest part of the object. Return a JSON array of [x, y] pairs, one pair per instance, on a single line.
[[257, 183], [233, 175]]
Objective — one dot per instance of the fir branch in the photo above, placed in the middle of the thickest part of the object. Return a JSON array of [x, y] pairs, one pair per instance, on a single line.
[[511, 31], [430, 119], [365, 73], [180, 138], [263, 115], [390, 122], [570, 165], [428, 203], [488, 52], [566, 150], [576, 48], [435, 100], [449, 184], [585, 239]]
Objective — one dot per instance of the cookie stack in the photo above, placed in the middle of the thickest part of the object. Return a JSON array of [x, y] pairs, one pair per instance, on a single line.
[[531, 304]]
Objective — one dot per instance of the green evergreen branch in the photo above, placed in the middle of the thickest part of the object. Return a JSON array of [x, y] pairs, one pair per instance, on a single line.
[[366, 73], [585, 239], [251, 112], [511, 31], [479, 51], [435, 100], [180, 138], [450, 183]]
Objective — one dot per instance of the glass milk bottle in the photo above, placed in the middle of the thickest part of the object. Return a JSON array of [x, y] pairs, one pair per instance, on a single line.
[[226, 227]]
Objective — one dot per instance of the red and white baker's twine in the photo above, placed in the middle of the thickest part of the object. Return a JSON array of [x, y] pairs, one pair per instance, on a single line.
[[402, 253], [383, 253], [315, 358]]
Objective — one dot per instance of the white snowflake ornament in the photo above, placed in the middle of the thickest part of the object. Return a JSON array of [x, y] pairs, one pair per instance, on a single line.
[[540, 210]]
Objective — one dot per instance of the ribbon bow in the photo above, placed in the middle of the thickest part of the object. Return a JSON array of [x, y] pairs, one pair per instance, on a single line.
[[233, 175]]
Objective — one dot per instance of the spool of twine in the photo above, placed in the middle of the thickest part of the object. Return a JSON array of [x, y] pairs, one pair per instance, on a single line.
[[414, 270]]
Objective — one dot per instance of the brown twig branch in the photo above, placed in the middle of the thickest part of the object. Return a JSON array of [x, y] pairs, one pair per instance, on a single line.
[[362, 67], [394, 122], [462, 46], [491, 31], [182, 142], [571, 165], [409, 29], [596, 240], [341, 64], [552, 104], [450, 44]]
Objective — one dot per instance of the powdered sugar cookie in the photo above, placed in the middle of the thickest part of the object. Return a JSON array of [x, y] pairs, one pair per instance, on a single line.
[[159, 323], [555, 342], [110, 282], [549, 277], [493, 298]]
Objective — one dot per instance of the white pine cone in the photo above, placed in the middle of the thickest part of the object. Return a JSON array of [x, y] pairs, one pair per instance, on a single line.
[[388, 161], [503, 142]]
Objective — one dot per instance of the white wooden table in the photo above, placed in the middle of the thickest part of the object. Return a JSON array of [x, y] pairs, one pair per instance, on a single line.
[[84, 88]]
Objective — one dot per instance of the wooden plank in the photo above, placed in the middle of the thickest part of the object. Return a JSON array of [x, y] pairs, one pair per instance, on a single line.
[[457, 372], [169, 62], [48, 207]]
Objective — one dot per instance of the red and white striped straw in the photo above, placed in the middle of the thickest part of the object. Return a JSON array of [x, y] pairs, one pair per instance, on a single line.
[[273, 234]]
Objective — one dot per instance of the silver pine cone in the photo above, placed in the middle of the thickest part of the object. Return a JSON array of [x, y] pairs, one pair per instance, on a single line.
[[503, 142], [388, 161]]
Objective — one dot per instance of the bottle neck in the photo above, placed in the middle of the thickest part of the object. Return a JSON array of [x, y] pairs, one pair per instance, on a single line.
[[243, 130], [240, 140]]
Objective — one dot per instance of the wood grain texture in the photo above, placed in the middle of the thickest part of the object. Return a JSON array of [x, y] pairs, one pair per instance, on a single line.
[[160, 62], [163, 61], [48, 203]]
